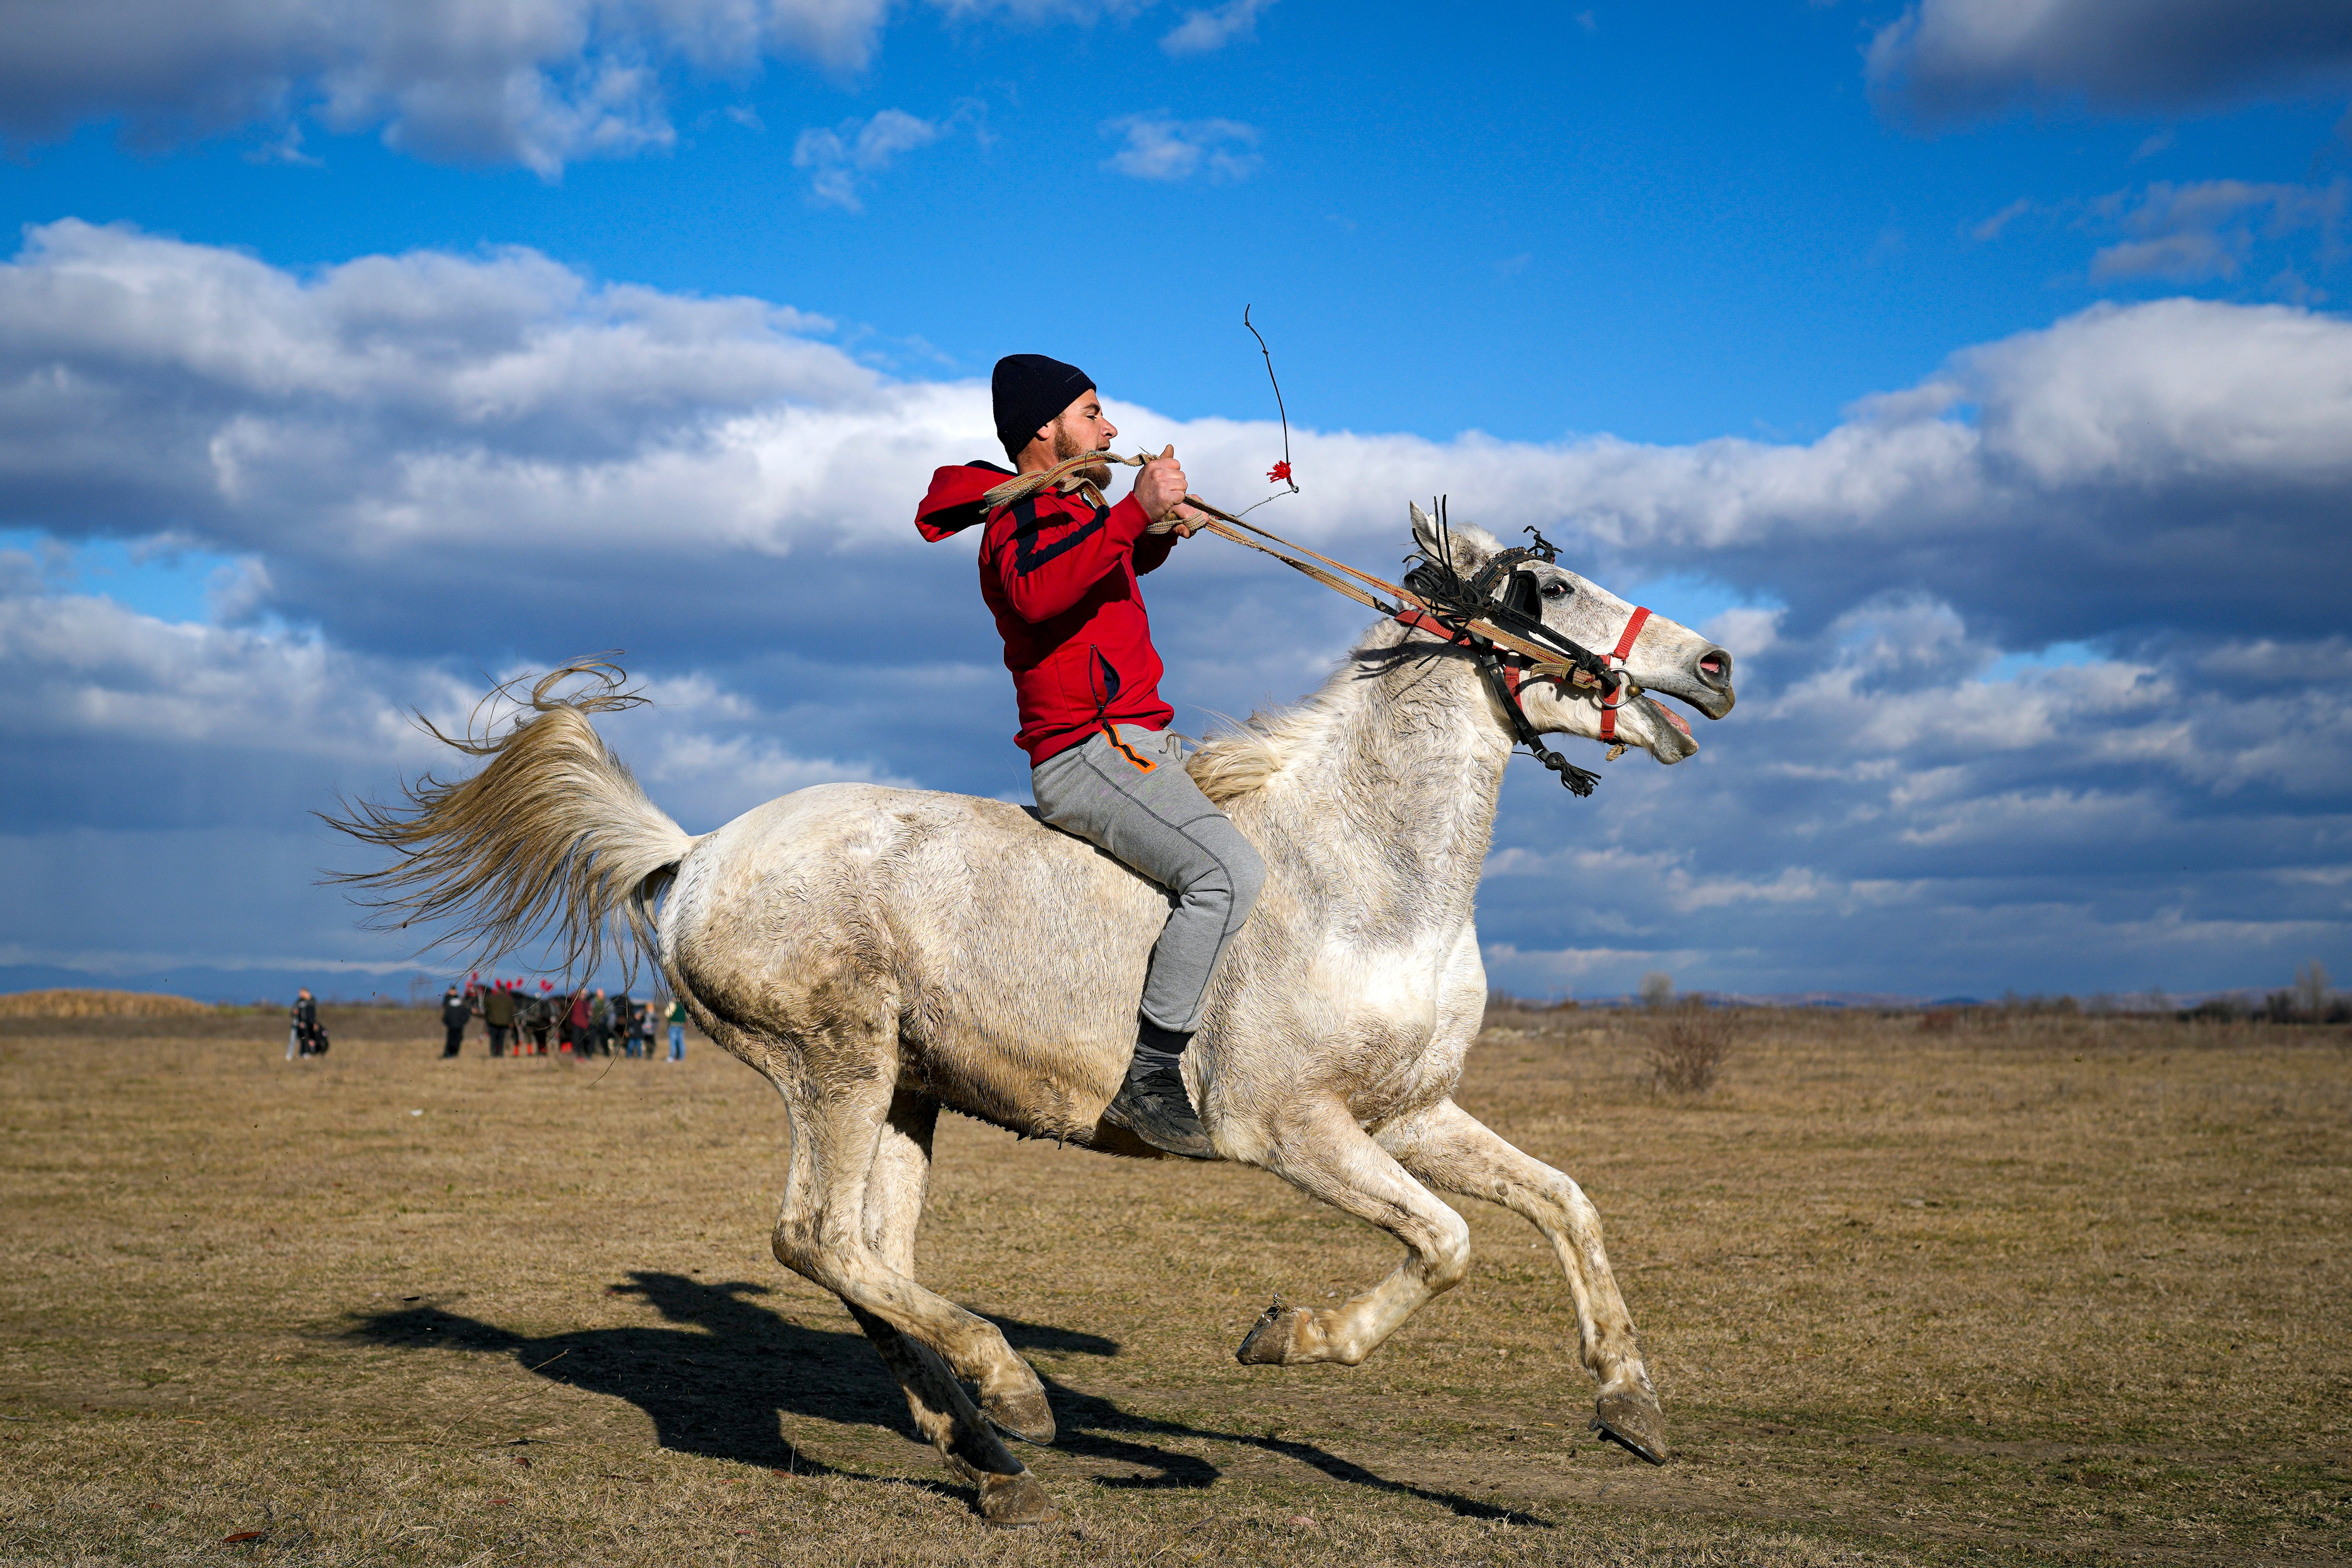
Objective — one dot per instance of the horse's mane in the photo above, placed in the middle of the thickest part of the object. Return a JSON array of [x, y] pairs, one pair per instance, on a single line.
[[1239, 760]]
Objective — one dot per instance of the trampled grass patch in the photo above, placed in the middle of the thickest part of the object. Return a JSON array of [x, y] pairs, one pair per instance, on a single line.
[[2039, 1288]]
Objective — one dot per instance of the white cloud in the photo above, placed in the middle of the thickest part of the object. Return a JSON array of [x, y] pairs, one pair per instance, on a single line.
[[538, 83], [1204, 32], [1160, 148], [1952, 59], [836, 157], [2171, 390], [435, 461], [1037, 13], [2191, 233], [401, 394], [2189, 258], [2207, 230], [83, 668], [1991, 229], [505, 402]]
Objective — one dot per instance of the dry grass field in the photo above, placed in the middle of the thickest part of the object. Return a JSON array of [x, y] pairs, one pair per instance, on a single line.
[[2025, 1289]]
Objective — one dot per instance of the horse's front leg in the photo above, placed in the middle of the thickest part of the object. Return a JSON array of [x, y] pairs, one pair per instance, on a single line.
[[1317, 1146], [1456, 1152]]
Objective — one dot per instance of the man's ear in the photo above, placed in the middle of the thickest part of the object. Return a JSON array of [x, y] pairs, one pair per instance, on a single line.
[[1466, 546]]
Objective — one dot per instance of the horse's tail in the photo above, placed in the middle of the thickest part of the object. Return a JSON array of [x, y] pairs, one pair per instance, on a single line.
[[552, 838]]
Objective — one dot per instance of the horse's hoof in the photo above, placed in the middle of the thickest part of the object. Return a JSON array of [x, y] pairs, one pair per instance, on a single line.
[[1634, 1421], [1015, 1502], [1269, 1340], [1021, 1414]]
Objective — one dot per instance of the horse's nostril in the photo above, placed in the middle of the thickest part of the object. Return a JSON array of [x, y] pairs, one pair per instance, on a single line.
[[1715, 665]]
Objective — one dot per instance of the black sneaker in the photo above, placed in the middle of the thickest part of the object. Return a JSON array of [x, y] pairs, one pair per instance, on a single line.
[[1152, 1104]]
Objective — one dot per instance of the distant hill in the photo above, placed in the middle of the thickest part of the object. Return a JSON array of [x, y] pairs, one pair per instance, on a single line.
[[97, 1005]]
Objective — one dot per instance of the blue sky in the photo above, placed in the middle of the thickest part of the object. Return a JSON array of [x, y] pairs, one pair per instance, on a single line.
[[1975, 370], [1666, 223]]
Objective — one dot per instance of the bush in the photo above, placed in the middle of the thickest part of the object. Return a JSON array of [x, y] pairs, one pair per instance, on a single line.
[[1689, 1051]]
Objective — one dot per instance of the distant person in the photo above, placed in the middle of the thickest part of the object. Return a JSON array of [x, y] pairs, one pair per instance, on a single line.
[[539, 1020], [600, 1023], [455, 1016], [676, 1030], [302, 1026], [498, 1012], [646, 1031], [624, 1022]]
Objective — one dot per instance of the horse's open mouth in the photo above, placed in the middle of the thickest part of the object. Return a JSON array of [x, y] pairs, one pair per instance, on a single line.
[[1672, 739], [1709, 705]]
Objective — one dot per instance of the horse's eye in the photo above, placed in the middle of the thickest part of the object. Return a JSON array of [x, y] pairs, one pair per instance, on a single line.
[[1557, 591]]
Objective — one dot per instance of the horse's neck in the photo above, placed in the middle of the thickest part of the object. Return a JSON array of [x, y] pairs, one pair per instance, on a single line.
[[1403, 779]]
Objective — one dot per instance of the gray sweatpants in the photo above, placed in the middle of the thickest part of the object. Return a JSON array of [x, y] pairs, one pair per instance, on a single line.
[[1137, 801]]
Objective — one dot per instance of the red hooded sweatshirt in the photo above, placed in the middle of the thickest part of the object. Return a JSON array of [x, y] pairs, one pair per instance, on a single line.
[[1059, 573]]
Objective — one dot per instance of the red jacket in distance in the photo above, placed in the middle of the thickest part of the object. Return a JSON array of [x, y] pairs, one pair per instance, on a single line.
[[1059, 573]]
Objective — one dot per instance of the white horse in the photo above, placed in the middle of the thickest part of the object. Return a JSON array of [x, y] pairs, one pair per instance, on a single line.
[[880, 953]]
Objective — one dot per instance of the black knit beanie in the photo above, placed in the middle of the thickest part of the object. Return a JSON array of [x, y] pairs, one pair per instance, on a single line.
[[1030, 391]]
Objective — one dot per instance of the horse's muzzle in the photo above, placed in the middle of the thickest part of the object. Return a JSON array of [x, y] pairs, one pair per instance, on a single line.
[[1710, 668]]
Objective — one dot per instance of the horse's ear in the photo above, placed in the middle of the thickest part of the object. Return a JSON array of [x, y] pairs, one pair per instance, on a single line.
[[1470, 545]]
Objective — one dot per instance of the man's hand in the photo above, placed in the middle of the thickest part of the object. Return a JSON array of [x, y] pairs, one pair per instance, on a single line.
[[1161, 487]]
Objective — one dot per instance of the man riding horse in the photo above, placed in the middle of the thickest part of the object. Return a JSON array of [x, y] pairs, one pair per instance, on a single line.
[[1059, 569], [881, 955]]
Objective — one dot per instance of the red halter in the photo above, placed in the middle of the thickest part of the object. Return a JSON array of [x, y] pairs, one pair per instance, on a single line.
[[1617, 662]]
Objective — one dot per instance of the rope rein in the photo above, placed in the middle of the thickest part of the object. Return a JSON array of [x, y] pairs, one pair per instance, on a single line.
[[1511, 645]]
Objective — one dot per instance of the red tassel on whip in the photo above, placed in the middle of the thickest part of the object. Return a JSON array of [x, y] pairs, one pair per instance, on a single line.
[[1280, 473]]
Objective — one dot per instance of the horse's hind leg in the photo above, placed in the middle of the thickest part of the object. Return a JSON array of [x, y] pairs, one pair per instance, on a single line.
[[1010, 1393], [838, 1097], [1456, 1152], [1318, 1147], [1009, 1494]]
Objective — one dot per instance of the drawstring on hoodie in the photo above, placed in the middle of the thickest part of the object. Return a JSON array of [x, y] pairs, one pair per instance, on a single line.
[[1102, 707]]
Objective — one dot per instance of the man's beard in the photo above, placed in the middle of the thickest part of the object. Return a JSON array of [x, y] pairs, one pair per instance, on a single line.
[[1067, 446]]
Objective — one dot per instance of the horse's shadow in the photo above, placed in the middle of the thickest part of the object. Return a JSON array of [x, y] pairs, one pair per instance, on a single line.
[[718, 1386]]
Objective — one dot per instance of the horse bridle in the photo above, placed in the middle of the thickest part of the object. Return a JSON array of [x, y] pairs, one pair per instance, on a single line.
[[1517, 608]]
